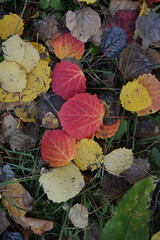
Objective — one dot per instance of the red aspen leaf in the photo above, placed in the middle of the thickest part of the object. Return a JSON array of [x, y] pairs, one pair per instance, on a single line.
[[58, 148], [67, 46], [68, 79], [151, 83], [82, 115], [108, 131]]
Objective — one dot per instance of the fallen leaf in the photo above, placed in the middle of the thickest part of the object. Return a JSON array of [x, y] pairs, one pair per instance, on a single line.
[[50, 121], [38, 226], [6, 96], [26, 111], [134, 62], [82, 115], [113, 40], [46, 27], [144, 9], [146, 129], [58, 148], [89, 155], [148, 28], [78, 215], [154, 55], [156, 236], [10, 24], [12, 77], [96, 39], [138, 170], [15, 197], [44, 55], [135, 97], [6, 174], [108, 131], [8, 106], [11, 236], [68, 79], [118, 160], [62, 183], [4, 221], [38, 82], [88, 1], [83, 23], [66, 46], [94, 232], [117, 5]]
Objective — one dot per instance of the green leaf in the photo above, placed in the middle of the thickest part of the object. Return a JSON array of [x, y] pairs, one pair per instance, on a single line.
[[130, 220], [155, 156], [122, 129], [157, 120], [44, 4], [58, 15], [57, 5], [94, 49]]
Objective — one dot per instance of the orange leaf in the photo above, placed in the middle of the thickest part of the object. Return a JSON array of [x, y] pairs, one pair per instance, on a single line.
[[67, 46], [58, 148], [152, 85], [108, 131]]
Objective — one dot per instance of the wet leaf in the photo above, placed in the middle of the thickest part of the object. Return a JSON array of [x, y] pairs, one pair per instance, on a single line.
[[4, 221], [85, 111], [26, 111], [83, 23], [89, 155], [58, 148], [68, 79], [10, 24], [62, 183], [78, 215], [117, 5]]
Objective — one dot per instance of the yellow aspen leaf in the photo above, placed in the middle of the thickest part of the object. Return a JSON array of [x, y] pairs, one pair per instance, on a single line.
[[62, 183], [12, 77], [6, 97], [118, 160], [44, 55], [38, 82], [10, 24], [89, 155], [26, 111], [88, 1], [135, 97], [156, 236], [15, 194], [144, 9]]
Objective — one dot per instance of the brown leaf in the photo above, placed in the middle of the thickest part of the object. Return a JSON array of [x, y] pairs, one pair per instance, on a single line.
[[38, 226], [83, 23], [154, 55], [137, 171], [117, 5], [134, 62], [50, 121], [45, 27], [15, 197], [94, 232], [26, 111], [147, 128], [8, 106], [4, 221], [97, 38]]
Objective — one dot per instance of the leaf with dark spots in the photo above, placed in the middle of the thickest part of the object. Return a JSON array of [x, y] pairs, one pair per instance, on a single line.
[[146, 129]]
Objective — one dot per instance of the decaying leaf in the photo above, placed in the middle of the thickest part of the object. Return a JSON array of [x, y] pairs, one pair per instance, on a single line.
[[117, 5], [154, 55], [146, 128], [4, 221], [113, 40], [78, 215], [36, 225], [148, 28], [58, 148], [9, 25], [82, 115], [118, 160], [89, 155], [14, 197], [83, 23], [135, 97], [62, 183], [26, 111], [50, 121], [108, 131], [137, 171], [68, 79], [12, 77], [134, 62], [46, 27], [8, 106], [96, 39], [66, 46]]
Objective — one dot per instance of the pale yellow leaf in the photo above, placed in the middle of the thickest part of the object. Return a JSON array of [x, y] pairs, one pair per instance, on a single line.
[[62, 183], [156, 236], [118, 160], [88, 1], [78, 215]]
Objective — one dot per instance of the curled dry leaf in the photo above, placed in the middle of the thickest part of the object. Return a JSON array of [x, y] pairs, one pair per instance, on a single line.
[[12, 77], [117, 5], [26, 111], [134, 62], [78, 215], [148, 28], [89, 155], [58, 148], [9, 24], [83, 23], [108, 131], [36, 225], [62, 183], [50, 121], [154, 55], [137, 171], [14, 197], [4, 221], [96, 39], [146, 129], [118, 160], [46, 27]]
